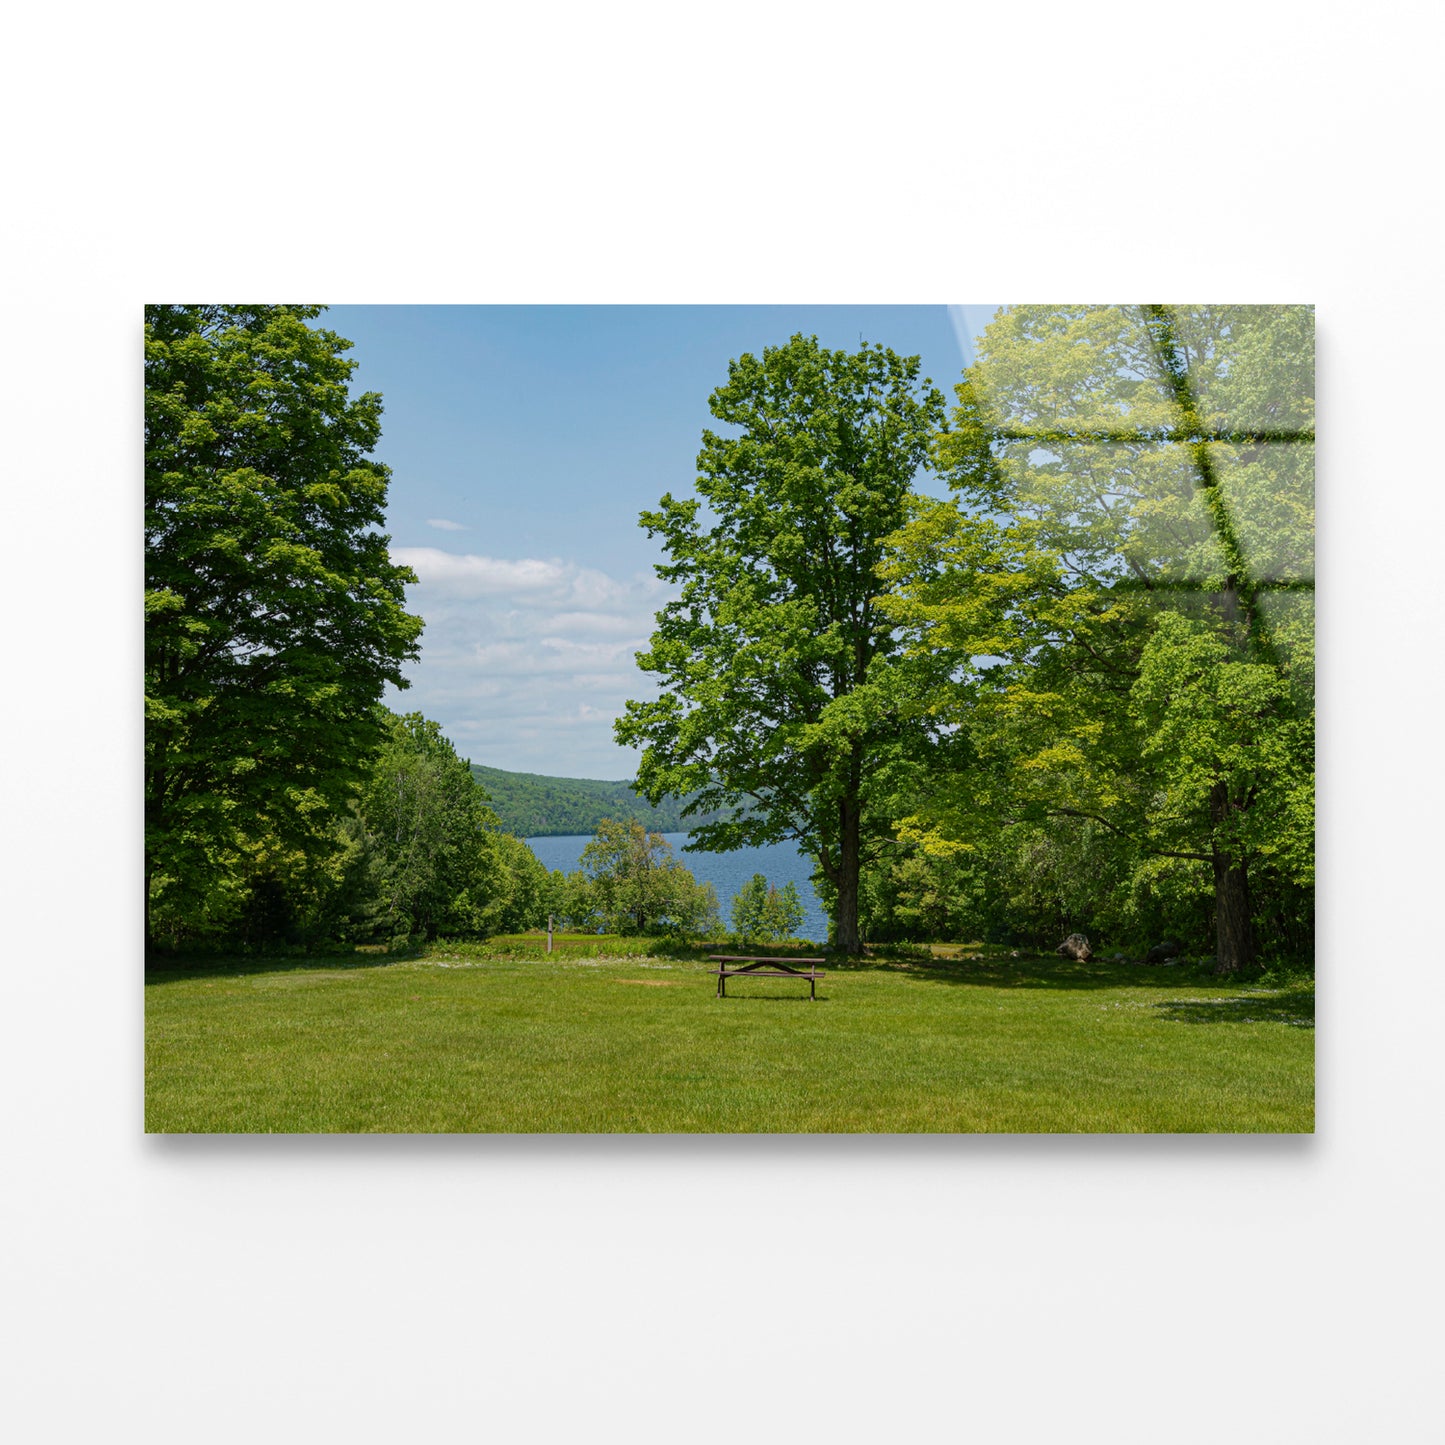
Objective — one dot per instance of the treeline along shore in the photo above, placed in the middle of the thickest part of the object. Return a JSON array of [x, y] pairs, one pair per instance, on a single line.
[[532, 805]]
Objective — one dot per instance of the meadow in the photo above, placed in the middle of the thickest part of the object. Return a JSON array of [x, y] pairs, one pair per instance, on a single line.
[[617, 1036]]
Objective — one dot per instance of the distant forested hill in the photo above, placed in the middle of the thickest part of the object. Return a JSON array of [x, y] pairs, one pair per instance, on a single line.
[[533, 806]]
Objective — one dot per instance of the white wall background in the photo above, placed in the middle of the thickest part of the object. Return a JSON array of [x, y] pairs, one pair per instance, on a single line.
[[1120, 1290]]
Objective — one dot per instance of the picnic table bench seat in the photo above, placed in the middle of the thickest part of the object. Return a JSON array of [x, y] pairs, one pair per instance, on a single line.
[[764, 968]]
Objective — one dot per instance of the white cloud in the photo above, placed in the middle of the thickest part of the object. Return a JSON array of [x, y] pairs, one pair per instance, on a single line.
[[442, 524], [460, 575], [592, 624], [526, 661]]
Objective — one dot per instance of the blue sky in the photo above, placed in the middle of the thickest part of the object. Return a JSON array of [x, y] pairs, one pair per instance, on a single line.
[[523, 443]]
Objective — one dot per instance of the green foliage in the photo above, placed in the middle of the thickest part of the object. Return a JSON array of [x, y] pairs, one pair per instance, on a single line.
[[913, 896], [416, 853], [1129, 573], [630, 883], [763, 912], [283, 806], [274, 614], [523, 887], [351, 903], [1031, 884], [571, 901], [432, 832], [782, 692], [1209, 719]]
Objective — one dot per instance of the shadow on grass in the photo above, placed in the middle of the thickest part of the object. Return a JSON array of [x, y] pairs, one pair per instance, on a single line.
[[506, 948], [1041, 971], [1296, 1007], [174, 968], [1034, 971], [1289, 1005], [771, 998]]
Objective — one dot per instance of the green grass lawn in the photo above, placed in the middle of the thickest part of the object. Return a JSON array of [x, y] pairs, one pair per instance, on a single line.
[[499, 1037]]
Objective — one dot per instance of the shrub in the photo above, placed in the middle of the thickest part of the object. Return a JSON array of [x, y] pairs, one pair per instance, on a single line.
[[764, 912]]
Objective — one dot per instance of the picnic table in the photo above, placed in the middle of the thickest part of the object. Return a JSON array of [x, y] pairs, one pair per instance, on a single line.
[[764, 968]]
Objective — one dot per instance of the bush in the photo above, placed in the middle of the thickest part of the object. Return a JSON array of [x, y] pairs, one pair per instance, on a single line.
[[629, 883]]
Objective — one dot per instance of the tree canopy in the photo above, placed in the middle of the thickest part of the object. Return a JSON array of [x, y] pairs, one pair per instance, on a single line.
[[1131, 567], [274, 615], [761, 911], [783, 689], [430, 827], [630, 883]]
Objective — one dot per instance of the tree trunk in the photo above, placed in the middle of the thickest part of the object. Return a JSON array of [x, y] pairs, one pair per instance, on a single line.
[[1235, 944], [1233, 926], [848, 866]]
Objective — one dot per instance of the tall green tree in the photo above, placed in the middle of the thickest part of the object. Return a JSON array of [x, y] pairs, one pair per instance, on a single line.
[[524, 888], [274, 615], [433, 833], [784, 692], [1133, 561]]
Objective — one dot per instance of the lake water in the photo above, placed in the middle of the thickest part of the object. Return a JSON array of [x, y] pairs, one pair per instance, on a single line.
[[780, 863]]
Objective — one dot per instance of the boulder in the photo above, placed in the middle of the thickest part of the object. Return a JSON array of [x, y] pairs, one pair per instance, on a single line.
[[1162, 951], [1075, 946]]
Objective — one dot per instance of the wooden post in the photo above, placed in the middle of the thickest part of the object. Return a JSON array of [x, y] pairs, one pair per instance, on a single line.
[[549, 933]]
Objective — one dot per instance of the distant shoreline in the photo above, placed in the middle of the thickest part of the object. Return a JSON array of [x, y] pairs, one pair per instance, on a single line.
[[534, 805]]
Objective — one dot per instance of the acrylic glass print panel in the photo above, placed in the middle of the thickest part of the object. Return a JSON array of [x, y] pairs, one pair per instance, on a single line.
[[914, 707]]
